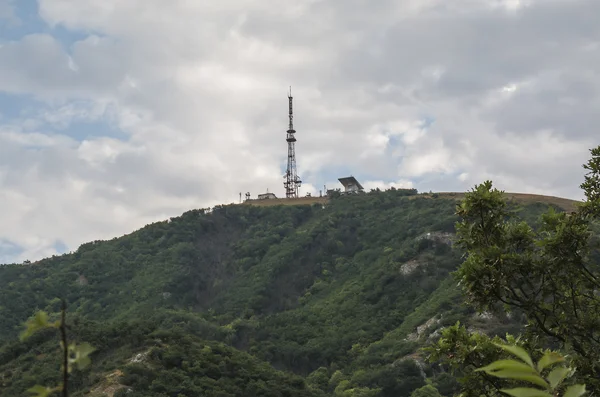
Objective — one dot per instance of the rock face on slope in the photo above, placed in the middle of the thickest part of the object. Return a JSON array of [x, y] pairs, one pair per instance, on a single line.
[[410, 266], [433, 321], [438, 237]]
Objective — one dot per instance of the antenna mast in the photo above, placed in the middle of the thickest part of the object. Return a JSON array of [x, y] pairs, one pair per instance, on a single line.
[[292, 181]]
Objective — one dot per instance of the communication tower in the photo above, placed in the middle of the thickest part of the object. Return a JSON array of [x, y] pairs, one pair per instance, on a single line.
[[292, 180]]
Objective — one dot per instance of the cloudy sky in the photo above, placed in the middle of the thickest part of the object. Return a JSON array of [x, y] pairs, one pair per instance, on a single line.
[[118, 113]]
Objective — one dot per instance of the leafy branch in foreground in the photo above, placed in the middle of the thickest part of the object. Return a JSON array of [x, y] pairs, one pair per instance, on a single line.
[[549, 272], [72, 354], [549, 385], [461, 353]]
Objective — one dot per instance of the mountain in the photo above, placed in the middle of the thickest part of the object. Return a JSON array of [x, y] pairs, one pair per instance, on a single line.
[[333, 298]]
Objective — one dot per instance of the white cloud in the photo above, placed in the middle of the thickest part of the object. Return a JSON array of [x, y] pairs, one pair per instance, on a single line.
[[401, 184], [198, 90]]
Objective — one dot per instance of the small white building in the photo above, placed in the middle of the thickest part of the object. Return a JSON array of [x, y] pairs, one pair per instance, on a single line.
[[266, 196], [351, 185]]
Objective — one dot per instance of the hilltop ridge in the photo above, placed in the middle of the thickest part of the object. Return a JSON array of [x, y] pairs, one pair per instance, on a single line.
[[564, 203]]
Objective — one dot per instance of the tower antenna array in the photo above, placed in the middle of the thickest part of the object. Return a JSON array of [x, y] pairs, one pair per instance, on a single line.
[[292, 181]]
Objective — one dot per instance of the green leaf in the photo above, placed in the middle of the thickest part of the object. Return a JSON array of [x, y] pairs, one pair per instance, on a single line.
[[512, 365], [40, 391], [548, 359], [519, 375], [84, 349], [526, 392], [81, 352], [557, 375], [575, 391], [37, 322], [517, 351]]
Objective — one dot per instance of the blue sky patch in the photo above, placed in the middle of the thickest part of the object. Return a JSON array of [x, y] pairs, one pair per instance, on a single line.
[[60, 247], [9, 251], [427, 122], [82, 130], [13, 106], [30, 22], [394, 142]]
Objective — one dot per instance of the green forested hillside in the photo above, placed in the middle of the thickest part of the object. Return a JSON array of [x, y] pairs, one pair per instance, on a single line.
[[252, 301]]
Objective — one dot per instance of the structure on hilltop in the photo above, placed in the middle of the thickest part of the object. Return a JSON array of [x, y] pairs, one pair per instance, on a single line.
[[351, 185], [292, 180], [267, 196]]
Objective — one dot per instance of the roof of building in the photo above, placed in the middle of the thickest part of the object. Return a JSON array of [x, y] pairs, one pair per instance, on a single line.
[[350, 180], [267, 194]]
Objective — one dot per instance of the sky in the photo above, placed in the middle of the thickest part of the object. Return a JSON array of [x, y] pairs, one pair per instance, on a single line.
[[118, 113]]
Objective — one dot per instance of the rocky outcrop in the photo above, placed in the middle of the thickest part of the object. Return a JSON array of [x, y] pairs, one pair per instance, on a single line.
[[139, 358], [438, 237], [410, 266], [484, 315], [422, 328]]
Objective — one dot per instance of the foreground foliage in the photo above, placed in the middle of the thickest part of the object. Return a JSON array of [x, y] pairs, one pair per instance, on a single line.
[[72, 354], [549, 274], [547, 385]]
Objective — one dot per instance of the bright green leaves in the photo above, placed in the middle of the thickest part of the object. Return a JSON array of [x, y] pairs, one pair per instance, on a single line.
[[575, 391], [526, 392], [527, 371], [42, 391], [557, 375], [76, 355], [519, 352], [511, 369], [507, 365], [548, 359], [36, 323], [79, 356], [463, 352]]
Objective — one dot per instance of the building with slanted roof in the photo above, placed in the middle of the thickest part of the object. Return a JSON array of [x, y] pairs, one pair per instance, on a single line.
[[266, 196], [351, 185]]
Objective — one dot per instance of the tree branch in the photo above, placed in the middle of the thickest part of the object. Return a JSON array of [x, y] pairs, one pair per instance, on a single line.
[[63, 334]]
